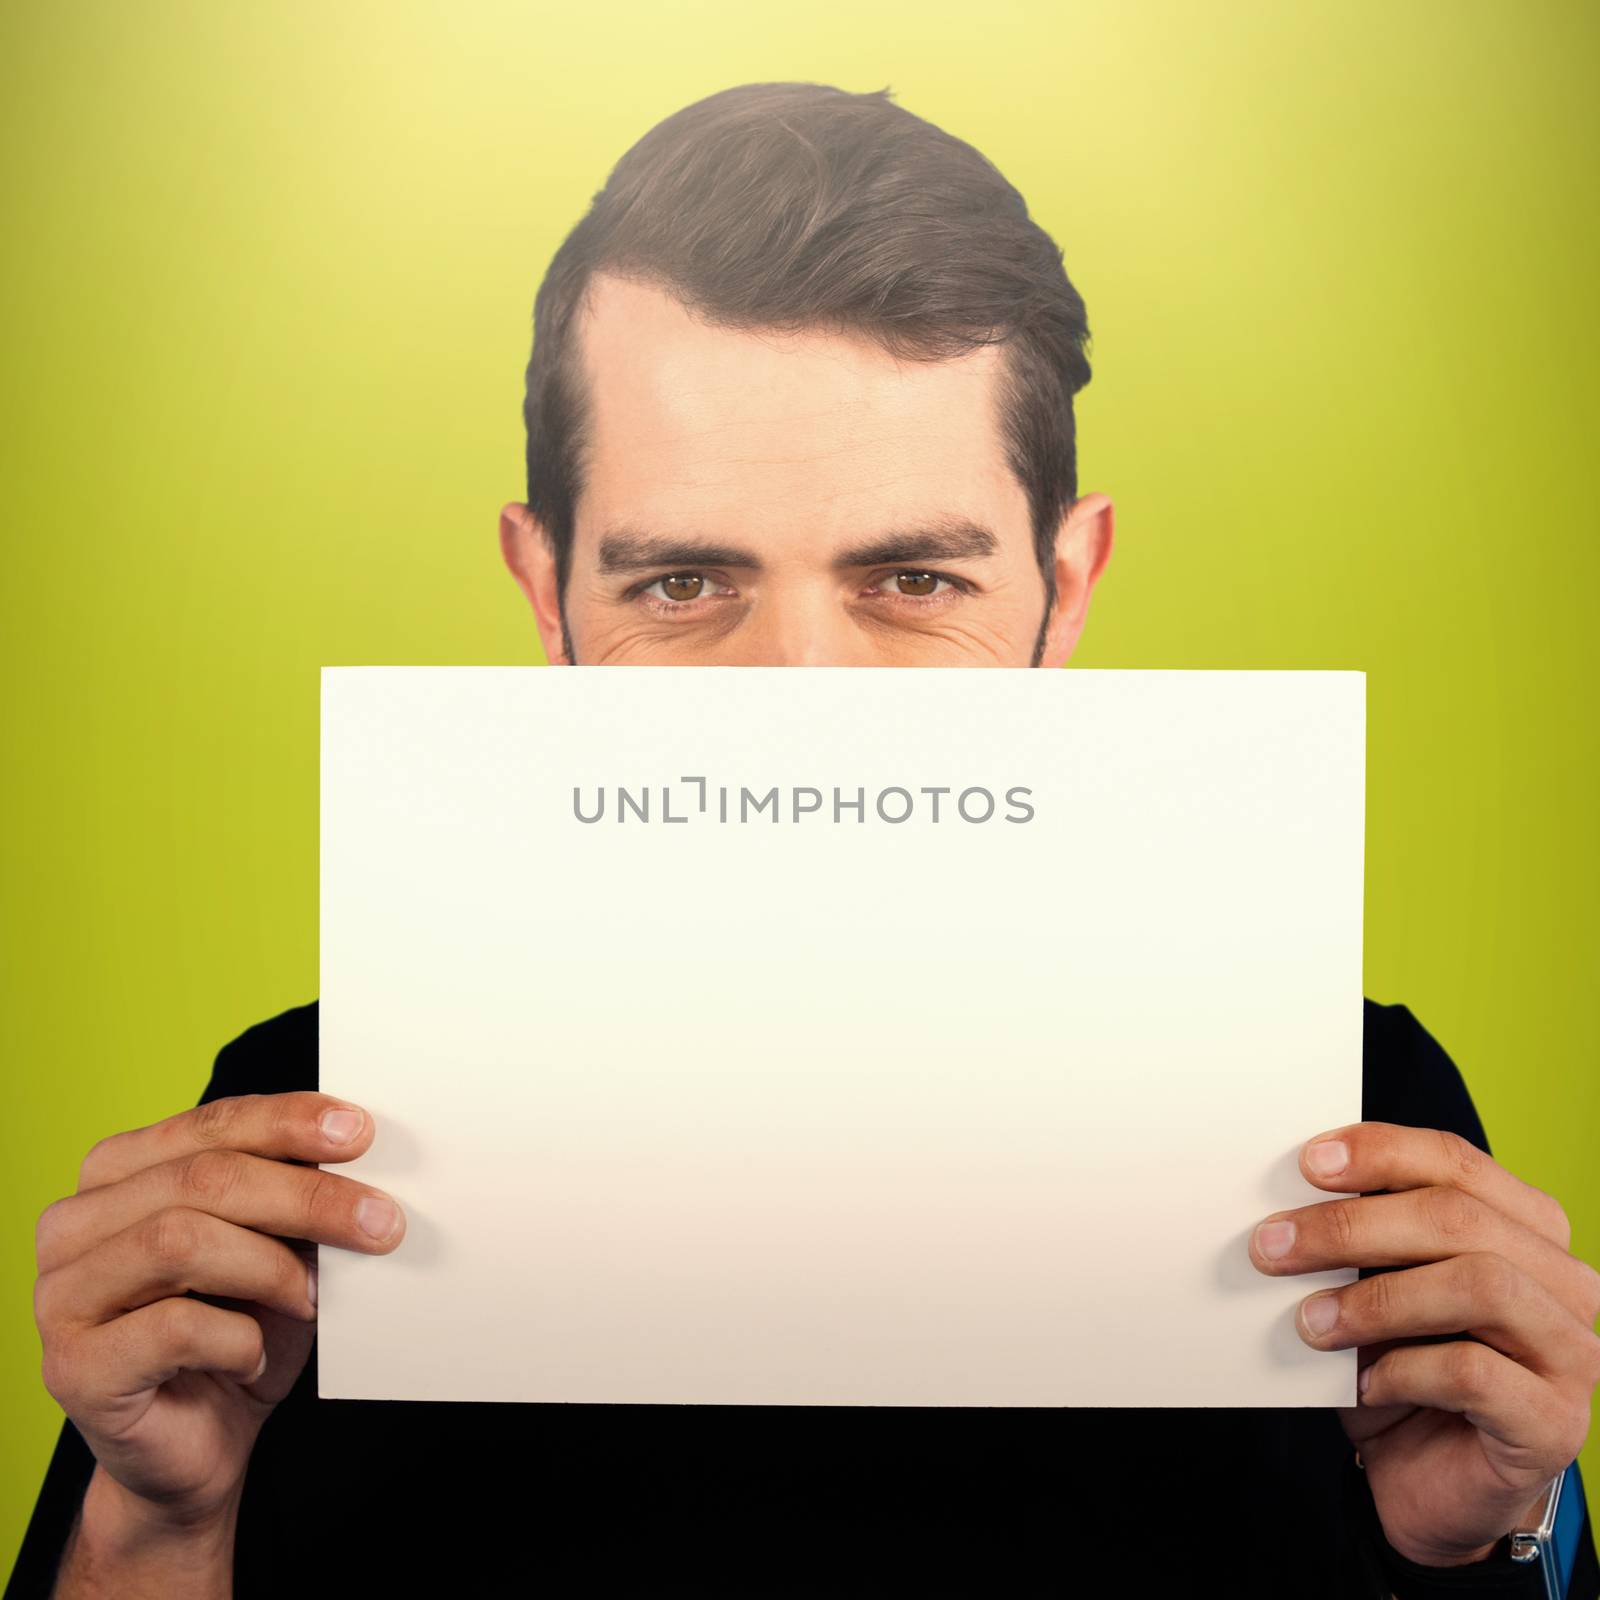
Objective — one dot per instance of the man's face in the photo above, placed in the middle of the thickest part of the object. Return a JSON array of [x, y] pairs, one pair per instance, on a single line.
[[755, 498]]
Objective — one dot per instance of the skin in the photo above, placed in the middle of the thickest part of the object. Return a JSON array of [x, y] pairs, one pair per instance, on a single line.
[[790, 483], [767, 466]]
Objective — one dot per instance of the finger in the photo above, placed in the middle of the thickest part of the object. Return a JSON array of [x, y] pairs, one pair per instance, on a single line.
[[289, 1342], [1495, 1394], [121, 1359], [274, 1197], [172, 1252], [1413, 1227], [304, 1125], [1368, 1156], [1480, 1293]]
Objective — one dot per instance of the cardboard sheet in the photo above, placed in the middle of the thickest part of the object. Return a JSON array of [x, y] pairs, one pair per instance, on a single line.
[[792, 1036]]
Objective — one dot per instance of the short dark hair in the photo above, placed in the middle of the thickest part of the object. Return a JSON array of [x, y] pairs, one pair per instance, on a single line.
[[794, 206]]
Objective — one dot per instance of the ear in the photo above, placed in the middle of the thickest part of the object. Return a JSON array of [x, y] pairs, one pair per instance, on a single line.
[[1083, 546], [533, 564]]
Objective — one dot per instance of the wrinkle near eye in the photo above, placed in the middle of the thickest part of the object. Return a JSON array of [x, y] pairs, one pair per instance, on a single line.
[[917, 624]]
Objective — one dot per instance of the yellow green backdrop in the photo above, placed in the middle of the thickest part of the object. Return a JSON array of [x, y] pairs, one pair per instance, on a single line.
[[266, 300]]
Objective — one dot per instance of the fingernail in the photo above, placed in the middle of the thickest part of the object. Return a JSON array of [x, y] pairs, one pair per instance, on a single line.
[[340, 1126], [260, 1368], [1327, 1156], [311, 1286], [1274, 1239], [377, 1216], [1320, 1312], [1363, 1379]]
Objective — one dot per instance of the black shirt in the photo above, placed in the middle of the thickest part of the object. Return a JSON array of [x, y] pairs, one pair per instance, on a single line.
[[384, 1497]]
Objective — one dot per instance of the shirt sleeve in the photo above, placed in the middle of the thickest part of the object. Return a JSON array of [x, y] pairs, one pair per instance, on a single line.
[[54, 1514], [1409, 1079]]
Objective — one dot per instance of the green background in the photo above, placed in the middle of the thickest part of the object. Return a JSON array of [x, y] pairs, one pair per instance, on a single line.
[[267, 297]]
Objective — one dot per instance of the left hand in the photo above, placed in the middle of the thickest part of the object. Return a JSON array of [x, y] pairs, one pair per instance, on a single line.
[[1459, 1438]]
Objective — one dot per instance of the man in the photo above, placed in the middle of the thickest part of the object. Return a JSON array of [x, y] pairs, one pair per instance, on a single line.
[[801, 393]]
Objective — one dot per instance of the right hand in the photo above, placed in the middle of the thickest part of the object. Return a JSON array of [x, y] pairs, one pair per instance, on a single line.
[[169, 1390]]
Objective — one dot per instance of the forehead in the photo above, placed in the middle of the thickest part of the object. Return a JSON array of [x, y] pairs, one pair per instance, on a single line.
[[803, 437]]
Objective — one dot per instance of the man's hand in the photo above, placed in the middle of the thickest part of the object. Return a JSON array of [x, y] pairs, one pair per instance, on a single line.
[[176, 1300], [1460, 1436]]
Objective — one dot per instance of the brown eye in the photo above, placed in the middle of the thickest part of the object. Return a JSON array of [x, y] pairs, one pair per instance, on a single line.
[[683, 586], [915, 582]]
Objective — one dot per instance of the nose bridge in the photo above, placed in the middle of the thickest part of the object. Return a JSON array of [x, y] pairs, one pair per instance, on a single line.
[[799, 622]]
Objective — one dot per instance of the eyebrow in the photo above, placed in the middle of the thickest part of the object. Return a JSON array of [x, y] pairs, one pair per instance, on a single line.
[[630, 549]]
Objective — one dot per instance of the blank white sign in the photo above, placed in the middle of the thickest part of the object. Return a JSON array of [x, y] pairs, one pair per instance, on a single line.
[[837, 1036]]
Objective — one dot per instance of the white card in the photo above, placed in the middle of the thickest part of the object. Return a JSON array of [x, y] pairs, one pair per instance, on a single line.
[[837, 1036]]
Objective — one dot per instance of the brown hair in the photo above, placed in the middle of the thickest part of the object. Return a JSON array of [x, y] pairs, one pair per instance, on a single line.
[[797, 205]]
